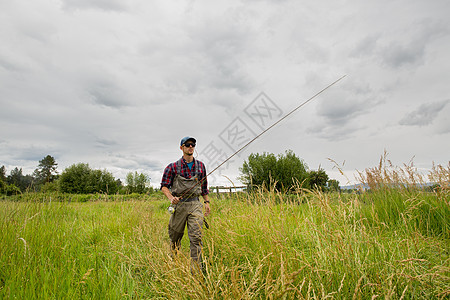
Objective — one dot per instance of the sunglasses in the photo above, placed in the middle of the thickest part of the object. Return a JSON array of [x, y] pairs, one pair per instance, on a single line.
[[189, 145]]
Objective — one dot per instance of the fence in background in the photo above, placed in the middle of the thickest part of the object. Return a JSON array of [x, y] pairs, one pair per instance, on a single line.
[[227, 189]]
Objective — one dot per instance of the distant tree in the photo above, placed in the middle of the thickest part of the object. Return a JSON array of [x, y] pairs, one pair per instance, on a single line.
[[81, 179], [15, 176], [12, 189], [291, 170], [50, 187], [129, 181], [119, 183], [3, 187], [22, 182], [3, 174], [333, 185], [141, 181], [46, 170], [102, 181], [318, 179], [3, 180], [94, 182], [75, 178], [284, 170], [109, 184], [137, 182], [258, 169]]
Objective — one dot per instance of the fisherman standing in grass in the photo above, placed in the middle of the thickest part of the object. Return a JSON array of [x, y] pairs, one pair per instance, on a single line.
[[179, 185]]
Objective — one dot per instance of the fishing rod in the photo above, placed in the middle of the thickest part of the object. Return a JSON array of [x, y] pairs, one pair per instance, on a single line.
[[264, 131]]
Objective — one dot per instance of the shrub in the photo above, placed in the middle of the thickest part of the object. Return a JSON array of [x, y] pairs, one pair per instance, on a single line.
[[81, 179], [283, 171], [12, 189], [49, 187]]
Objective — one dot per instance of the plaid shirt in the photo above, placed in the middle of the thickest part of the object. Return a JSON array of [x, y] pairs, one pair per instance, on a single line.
[[171, 170]]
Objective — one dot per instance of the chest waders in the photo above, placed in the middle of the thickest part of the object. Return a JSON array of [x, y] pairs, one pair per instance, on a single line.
[[181, 185], [188, 212]]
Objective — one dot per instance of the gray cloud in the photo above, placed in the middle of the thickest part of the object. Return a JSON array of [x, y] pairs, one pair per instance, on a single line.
[[333, 132], [28, 155], [424, 114], [109, 95], [222, 44], [105, 143], [366, 46], [408, 50], [9, 64], [343, 110], [149, 164], [134, 162], [343, 106], [106, 5], [397, 55], [412, 50], [104, 87]]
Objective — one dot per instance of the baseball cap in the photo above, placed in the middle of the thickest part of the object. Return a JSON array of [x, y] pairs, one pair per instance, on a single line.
[[187, 138]]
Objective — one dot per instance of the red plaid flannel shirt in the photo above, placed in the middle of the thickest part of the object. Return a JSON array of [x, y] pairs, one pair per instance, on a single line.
[[171, 170]]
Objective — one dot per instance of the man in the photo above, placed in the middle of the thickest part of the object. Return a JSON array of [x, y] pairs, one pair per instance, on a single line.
[[180, 184]]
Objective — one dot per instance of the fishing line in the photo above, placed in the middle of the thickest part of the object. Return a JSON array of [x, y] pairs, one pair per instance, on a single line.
[[264, 131]]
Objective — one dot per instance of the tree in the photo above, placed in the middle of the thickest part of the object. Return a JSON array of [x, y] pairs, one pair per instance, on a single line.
[[81, 179], [102, 181], [46, 170], [22, 182], [141, 181], [49, 187], [129, 181], [318, 179], [3, 186], [333, 185], [15, 177], [3, 180], [3, 174], [267, 169], [137, 182], [12, 189], [74, 179], [291, 170]]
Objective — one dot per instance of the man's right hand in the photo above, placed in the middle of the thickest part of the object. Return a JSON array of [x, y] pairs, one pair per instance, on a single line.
[[175, 200]]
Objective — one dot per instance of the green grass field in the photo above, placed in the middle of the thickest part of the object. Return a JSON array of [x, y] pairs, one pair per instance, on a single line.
[[390, 243], [387, 244]]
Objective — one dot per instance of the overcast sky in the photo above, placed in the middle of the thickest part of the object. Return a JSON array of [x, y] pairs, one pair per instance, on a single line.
[[117, 83]]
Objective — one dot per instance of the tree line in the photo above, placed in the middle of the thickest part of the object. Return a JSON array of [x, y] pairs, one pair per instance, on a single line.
[[284, 172], [76, 179]]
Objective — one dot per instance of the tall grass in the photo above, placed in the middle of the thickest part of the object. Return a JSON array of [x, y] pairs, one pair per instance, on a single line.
[[392, 242]]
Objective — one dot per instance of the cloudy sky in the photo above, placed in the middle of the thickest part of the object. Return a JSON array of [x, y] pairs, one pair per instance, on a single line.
[[118, 83]]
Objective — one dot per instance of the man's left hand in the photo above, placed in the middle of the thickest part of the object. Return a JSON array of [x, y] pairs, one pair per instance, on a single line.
[[207, 209]]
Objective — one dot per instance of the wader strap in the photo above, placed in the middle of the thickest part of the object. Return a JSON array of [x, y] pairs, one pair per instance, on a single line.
[[181, 183]]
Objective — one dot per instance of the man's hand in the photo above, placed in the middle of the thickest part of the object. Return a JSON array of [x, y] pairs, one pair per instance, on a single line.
[[207, 209], [175, 200]]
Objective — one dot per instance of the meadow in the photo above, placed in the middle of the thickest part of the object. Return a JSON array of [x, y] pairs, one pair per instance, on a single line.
[[392, 242]]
